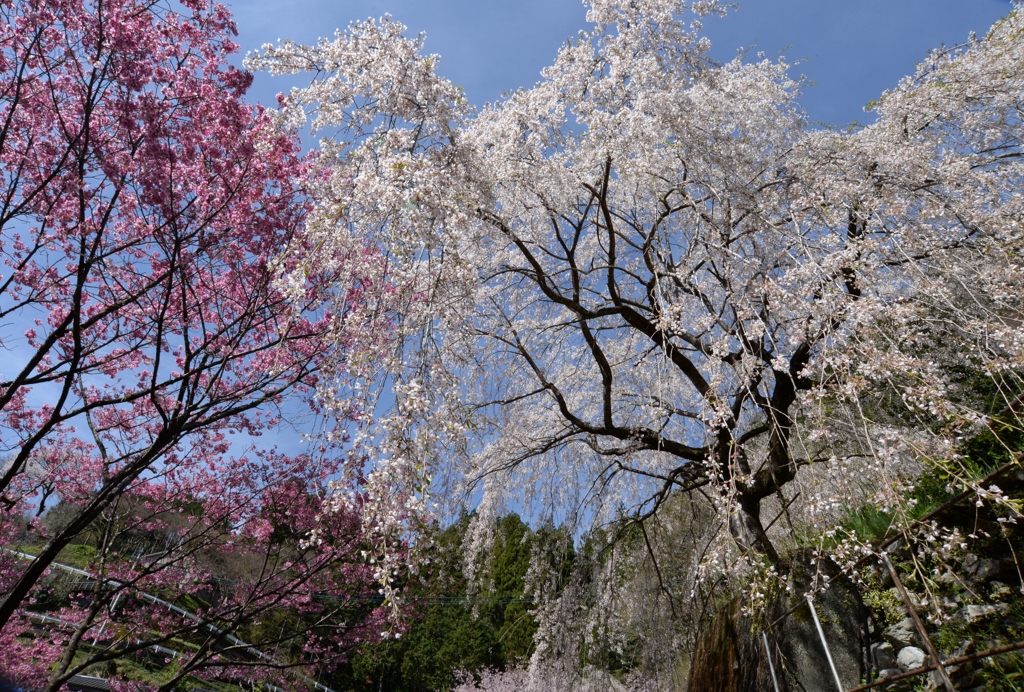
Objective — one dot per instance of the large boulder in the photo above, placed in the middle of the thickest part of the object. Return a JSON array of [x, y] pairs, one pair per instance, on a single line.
[[730, 654], [844, 621]]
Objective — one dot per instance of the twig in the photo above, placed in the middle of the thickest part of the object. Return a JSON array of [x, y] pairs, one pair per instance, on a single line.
[[931, 515], [945, 505]]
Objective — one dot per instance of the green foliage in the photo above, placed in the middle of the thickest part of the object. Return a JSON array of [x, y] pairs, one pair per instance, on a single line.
[[1002, 673], [78, 555], [156, 674], [885, 604], [446, 640], [995, 445], [869, 523], [135, 671], [460, 626]]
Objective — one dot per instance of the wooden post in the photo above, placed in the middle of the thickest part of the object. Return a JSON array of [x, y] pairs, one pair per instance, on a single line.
[[920, 626]]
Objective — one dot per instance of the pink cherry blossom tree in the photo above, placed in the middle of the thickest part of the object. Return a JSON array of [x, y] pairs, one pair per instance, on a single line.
[[212, 570], [144, 209]]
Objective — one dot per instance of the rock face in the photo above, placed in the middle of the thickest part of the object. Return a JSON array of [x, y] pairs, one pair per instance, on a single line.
[[730, 654]]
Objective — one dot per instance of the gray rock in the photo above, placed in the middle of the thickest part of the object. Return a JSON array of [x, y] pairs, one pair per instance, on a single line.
[[965, 648], [988, 569], [970, 564], [934, 681], [883, 656], [910, 657], [844, 621], [902, 634], [974, 614], [962, 674], [982, 569], [903, 685], [959, 675]]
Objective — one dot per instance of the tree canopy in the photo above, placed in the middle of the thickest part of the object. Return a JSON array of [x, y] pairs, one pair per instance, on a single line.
[[648, 274]]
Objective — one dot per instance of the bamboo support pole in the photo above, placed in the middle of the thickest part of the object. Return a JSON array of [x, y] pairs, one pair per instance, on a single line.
[[994, 651], [918, 624]]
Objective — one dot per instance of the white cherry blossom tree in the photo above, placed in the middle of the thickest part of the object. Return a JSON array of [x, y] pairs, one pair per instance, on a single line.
[[649, 275]]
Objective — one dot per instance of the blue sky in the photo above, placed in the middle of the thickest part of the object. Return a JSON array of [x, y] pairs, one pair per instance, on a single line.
[[852, 51]]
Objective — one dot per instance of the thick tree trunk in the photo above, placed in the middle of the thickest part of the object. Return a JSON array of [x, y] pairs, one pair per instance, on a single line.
[[730, 654], [748, 532]]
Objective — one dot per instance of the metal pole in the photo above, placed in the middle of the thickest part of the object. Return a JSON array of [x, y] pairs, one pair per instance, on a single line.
[[824, 644], [920, 625], [771, 666], [113, 605]]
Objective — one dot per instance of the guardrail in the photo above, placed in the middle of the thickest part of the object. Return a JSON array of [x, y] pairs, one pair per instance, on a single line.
[[248, 648]]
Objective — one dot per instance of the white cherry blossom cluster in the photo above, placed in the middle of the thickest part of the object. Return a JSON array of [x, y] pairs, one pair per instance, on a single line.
[[647, 276]]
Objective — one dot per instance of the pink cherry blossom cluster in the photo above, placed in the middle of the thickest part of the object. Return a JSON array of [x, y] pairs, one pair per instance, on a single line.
[[147, 215]]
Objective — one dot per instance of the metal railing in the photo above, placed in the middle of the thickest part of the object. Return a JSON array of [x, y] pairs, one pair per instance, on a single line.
[[248, 648]]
